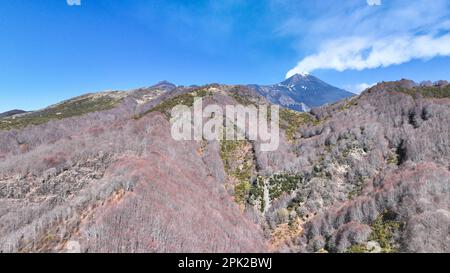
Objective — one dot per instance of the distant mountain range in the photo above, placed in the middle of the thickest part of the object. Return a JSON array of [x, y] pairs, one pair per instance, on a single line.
[[302, 92]]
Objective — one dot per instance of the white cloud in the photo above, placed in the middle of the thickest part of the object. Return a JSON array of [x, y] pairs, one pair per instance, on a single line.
[[359, 37], [362, 53], [358, 88], [74, 2], [373, 2]]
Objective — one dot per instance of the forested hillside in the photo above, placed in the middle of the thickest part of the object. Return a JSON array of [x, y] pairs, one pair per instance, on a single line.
[[367, 174]]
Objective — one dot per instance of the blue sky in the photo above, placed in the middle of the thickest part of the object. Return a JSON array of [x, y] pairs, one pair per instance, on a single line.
[[51, 51]]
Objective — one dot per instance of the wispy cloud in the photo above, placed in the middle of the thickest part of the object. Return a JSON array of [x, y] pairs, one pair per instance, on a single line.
[[366, 35], [373, 2], [73, 2]]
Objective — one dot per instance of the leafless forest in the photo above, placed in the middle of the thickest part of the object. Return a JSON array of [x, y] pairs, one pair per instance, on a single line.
[[367, 174]]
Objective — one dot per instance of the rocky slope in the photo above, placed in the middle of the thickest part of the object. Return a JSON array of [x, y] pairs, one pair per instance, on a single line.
[[367, 174]]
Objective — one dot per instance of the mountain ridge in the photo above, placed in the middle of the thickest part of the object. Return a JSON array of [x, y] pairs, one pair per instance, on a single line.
[[286, 100], [11, 113]]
